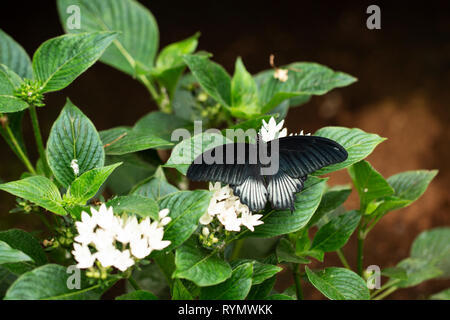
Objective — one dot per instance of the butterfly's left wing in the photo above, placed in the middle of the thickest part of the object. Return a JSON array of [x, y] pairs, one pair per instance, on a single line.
[[298, 157], [237, 165]]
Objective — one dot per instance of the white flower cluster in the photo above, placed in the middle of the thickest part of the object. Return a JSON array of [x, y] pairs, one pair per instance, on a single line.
[[228, 210], [271, 130], [117, 241]]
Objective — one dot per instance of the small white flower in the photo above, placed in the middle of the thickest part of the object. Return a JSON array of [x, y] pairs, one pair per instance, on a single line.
[[107, 256], [140, 248], [206, 219], [123, 260], [85, 228], [103, 239], [163, 213], [220, 193], [281, 74], [215, 207], [155, 238], [272, 130], [129, 229], [83, 256], [105, 217], [205, 231], [75, 167], [230, 220], [251, 221]]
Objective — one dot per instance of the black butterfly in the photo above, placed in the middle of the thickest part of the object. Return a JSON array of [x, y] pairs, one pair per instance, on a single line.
[[298, 156]]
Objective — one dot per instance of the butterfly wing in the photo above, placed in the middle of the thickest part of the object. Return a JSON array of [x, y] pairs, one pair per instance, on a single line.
[[229, 163], [298, 157], [235, 164]]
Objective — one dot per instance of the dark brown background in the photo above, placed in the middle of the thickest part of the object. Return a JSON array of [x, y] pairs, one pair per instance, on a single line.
[[403, 90]]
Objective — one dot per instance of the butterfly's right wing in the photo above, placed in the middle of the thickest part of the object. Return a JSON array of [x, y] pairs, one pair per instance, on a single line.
[[298, 157]]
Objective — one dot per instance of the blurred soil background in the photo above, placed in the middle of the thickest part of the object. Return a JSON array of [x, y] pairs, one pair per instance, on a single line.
[[403, 92]]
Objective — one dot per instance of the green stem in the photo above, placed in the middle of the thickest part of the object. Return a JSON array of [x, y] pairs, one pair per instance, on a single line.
[[149, 87], [133, 283], [237, 249], [360, 252], [343, 259], [38, 137], [22, 156], [297, 279], [385, 294], [384, 287]]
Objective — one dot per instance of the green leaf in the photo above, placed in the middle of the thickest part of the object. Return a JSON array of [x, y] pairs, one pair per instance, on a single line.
[[200, 266], [410, 185], [135, 169], [138, 295], [50, 282], [212, 77], [179, 291], [332, 199], [172, 55], [14, 56], [187, 150], [9, 81], [161, 124], [6, 279], [339, 284], [235, 288], [262, 290], [282, 222], [138, 36], [170, 64], [135, 204], [39, 190], [434, 246], [10, 255], [304, 79], [261, 271], [429, 258], [395, 273], [369, 183], [88, 184], [336, 233], [25, 242], [286, 253], [186, 208], [244, 93], [157, 187], [9, 104], [387, 204], [121, 140], [417, 271], [73, 137], [59, 61], [358, 144], [443, 295]]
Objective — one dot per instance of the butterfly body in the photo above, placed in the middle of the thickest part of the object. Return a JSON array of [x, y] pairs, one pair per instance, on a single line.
[[260, 172]]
